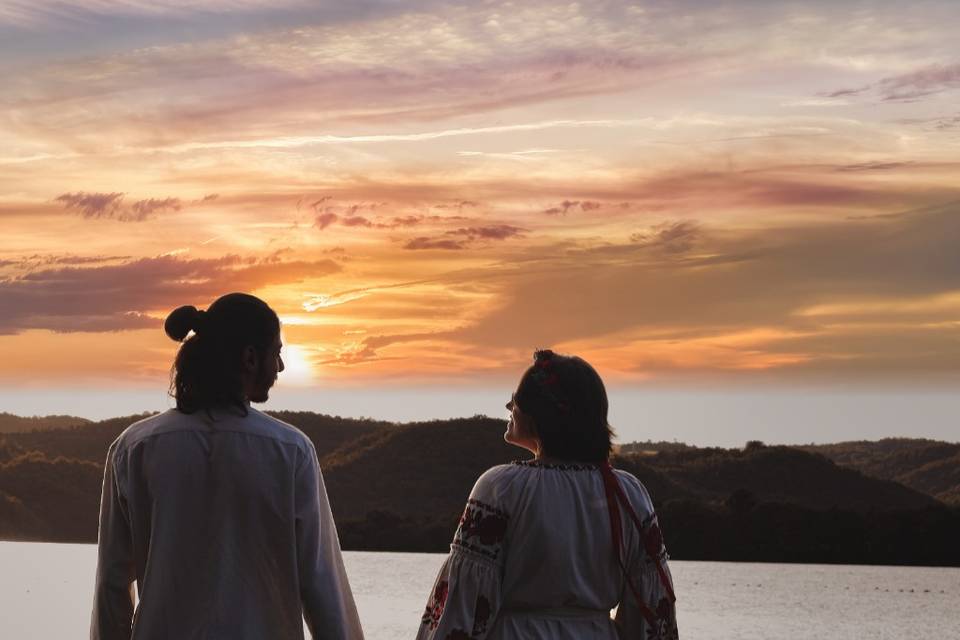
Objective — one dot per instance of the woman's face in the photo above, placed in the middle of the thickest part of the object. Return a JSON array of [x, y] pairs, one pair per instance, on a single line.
[[521, 430]]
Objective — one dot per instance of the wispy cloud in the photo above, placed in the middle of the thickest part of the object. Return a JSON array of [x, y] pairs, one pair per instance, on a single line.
[[490, 232], [455, 166], [92, 205], [927, 81], [462, 238], [564, 207], [111, 205], [673, 237], [300, 141], [124, 296], [324, 220], [425, 243], [35, 14]]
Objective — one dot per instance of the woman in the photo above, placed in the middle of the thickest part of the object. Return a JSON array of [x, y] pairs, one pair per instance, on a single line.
[[547, 547]]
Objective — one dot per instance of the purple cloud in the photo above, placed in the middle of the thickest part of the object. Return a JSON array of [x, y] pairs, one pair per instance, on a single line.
[[143, 209], [120, 296], [672, 237], [433, 243], [564, 207], [909, 86], [356, 221], [492, 232], [324, 220], [923, 82], [111, 206], [92, 205]]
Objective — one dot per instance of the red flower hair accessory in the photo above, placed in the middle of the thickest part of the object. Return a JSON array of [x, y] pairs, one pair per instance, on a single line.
[[547, 379]]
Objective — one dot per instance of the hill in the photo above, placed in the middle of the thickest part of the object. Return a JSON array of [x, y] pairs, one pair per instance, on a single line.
[[54, 499], [50, 479], [782, 474], [10, 423], [90, 440], [387, 494], [402, 487], [929, 466], [328, 433], [87, 441]]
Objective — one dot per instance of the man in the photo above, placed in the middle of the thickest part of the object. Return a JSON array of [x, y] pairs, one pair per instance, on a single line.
[[216, 510]]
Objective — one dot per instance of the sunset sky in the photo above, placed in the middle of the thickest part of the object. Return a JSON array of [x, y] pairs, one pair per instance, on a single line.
[[712, 204]]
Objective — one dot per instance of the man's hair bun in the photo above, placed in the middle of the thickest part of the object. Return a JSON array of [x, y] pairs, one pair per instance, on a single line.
[[181, 321]]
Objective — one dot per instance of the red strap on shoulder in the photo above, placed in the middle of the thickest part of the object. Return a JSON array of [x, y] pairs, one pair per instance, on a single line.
[[616, 497]]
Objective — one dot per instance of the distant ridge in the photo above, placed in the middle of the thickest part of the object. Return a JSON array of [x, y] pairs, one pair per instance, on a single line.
[[929, 466], [402, 487], [10, 423]]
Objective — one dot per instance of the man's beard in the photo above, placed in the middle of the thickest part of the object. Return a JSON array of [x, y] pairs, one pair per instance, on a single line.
[[261, 385]]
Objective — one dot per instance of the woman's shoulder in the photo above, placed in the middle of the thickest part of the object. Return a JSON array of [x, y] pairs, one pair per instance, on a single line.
[[518, 472], [499, 487], [496, 478], [637, 493]]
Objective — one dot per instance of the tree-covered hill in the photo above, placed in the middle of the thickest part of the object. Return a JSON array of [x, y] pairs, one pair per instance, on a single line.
[[10, 423], [929, 466], [783, 474], [402, 487], [90, 440]]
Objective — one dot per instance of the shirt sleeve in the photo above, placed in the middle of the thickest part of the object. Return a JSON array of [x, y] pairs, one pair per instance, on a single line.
[[466, 595], [655, 615], [328, 604], [113, 602]]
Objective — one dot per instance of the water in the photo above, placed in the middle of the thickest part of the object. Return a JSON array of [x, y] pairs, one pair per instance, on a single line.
[[46, 591]]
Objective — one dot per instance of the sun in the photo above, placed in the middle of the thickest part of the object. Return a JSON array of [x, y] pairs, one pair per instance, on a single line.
[[297, 369]]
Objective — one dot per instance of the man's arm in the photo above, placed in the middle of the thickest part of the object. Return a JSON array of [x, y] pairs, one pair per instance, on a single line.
[[113, 598], [328, 604]]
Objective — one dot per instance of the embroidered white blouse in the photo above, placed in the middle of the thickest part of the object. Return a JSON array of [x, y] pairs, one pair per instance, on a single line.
[[225, 527], [533, 558]]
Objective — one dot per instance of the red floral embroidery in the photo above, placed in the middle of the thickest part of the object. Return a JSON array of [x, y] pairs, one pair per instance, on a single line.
[[490, 528], [434, 610], [482, 529], [653, 541], [665, 626], [481, 615], [664, 610]]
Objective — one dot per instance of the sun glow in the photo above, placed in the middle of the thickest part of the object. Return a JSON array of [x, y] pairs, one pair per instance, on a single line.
[[297, 370]]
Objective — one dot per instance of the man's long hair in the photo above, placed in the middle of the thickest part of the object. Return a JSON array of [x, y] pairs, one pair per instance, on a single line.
[[207, 372]]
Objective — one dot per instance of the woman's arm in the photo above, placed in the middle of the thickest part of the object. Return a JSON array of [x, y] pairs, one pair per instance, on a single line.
[[648, 603], [466, 595]]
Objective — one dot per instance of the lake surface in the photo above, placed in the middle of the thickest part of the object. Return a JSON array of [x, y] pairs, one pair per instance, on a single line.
[[46, 592]]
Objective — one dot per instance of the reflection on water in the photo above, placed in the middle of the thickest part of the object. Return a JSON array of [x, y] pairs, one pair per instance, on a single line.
[[46, 590]]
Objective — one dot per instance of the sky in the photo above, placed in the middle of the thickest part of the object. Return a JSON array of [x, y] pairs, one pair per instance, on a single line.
[[721, 206]]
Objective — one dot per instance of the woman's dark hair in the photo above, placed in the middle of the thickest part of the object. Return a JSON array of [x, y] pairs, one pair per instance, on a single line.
[[207, 371], [568, 403]]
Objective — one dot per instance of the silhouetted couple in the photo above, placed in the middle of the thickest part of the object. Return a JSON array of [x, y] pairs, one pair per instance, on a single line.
[[219, 514]]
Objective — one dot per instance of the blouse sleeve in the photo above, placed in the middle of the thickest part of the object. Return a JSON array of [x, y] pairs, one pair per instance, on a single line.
[[654, 617], [466, 594]]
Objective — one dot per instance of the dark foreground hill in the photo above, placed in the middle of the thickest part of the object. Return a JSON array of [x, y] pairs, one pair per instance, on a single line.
[[402, 487]]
